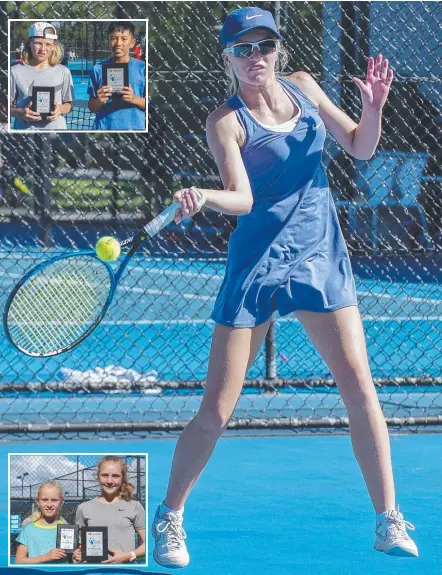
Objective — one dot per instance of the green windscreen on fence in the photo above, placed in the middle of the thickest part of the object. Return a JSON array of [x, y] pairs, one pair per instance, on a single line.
[[144, 368]]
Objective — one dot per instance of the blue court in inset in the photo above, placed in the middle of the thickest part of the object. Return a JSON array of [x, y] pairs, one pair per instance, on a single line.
[[80, 91], [80, 117]]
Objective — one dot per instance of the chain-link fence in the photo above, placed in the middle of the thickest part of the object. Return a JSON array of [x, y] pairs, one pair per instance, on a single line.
[[77, 476], [144, 368]]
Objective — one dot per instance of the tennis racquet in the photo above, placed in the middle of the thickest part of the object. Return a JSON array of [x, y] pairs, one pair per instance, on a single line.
[[60, 302]]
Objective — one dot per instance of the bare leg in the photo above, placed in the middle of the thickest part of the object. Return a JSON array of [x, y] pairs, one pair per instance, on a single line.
[[233, 351], [339, 338]]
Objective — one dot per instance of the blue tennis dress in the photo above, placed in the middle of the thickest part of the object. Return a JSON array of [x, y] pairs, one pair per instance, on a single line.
[[288, 253]]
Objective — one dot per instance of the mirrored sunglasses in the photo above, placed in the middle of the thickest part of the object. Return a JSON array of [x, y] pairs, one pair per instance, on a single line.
[[245, 49]]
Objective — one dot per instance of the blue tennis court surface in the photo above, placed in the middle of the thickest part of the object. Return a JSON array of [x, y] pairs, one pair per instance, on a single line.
[[166, 304], [282, 505], [159, 330], [80, 91], [81, 64], [265, 504]]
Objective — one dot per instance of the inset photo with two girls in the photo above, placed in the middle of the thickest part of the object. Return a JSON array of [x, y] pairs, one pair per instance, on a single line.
[[77, 509]]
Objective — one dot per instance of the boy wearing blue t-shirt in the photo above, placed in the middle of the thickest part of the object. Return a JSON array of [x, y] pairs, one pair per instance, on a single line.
[[126, 111]]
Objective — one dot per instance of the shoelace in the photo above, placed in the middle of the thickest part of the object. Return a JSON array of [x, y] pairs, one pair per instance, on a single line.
[[398, 525], [173, 531]]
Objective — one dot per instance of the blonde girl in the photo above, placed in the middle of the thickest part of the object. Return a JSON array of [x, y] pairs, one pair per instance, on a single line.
[[37, 539], [41, 67], [287, 254], [117, 509]]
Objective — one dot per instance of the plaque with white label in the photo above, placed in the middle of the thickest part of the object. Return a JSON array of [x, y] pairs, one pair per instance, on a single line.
[[67, 537], [94, 547], [116, 76], [43, 100]]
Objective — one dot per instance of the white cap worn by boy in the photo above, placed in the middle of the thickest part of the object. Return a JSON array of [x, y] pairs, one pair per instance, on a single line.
[[42, 30]]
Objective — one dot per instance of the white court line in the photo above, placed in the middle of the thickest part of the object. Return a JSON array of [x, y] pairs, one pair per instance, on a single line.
[[147, 291], [403, 297], [200, 321], [145, 271], [384, 318], [400, 296], [11, 275], [167, 292], [176, 273], [159, 322]]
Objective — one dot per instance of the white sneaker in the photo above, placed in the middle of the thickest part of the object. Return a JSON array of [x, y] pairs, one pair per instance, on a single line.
[[392, 537], [170, 549]]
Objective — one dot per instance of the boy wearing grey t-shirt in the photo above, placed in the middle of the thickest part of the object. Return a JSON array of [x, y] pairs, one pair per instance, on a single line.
[[40, 68]]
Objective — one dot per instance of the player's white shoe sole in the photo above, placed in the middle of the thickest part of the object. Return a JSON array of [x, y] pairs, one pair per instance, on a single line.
[[398, 550], [172, 563]]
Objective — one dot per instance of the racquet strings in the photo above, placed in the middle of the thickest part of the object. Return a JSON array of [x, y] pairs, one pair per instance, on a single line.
[[56, 306]]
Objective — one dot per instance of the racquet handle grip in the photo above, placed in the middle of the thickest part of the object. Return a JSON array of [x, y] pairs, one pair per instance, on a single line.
[[167, 215], [162, 220], [156, 225]]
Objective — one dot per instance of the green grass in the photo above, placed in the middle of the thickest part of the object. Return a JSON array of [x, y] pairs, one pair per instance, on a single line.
[[77, 194]]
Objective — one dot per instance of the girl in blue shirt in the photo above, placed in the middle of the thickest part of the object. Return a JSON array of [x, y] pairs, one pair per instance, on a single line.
[[38, 537]]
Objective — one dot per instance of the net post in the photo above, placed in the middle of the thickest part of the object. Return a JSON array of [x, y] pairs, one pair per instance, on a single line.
[[277, 8], [270, 347], [42, 187], [138, 477], [115, 172], [277, 13]]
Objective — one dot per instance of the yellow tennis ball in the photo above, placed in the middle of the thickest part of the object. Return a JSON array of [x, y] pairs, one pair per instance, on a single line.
[[18, 183], [107, 249]]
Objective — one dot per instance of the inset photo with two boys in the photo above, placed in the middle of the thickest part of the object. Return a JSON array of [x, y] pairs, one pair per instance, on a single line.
[[82, 75]]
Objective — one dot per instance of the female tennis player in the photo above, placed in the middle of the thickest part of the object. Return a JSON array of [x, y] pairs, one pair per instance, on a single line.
[[40, 67], [116, 509], [287, 254], [38, 537]]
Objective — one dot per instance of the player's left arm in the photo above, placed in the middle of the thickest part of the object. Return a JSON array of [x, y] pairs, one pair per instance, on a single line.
[[140, 551], [139, 526], [128, 95], [359, 140], [67, 96], [125, 556]]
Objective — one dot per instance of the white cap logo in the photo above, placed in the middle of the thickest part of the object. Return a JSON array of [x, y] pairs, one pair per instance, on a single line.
[[255, 16]]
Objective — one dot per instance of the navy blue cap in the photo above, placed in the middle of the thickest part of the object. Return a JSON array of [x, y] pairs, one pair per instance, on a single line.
[[244, 19]]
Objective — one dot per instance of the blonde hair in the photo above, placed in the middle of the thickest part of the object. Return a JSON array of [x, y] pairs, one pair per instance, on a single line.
[[281, 63], [37, 515], [126, 488], [55, 57]]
